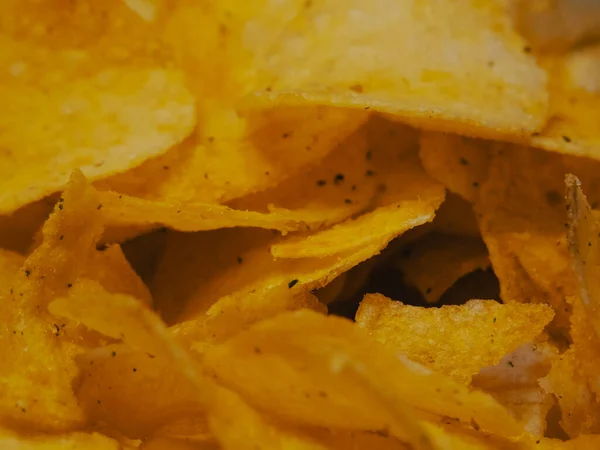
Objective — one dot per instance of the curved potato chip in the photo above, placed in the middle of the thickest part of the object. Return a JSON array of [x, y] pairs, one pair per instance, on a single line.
[[514, 383], [198, 269], [237, 426], [249, 154], [228, 316], [455, 340], [460, 163], [134, 392], [28, 331], [168, 443], [304, 351], [435, 262], [410, 199], [141, 112], [574, 105], [89, 441], [523, 223], [475, 77], [579, 405]]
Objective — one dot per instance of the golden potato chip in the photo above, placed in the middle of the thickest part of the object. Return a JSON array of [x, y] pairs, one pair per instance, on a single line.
[[523, 223], [355, 440], [146, 9], [89, 441], [237, 426], [239, 156], [408, 202], [324, 372], [514, 383], [456, 340], [371, 55], [37, 349], [103, 387], [135, 392], [574, 104], [584, 239], [167, 443], [198, 269], [111, 269], [228, 316], [436, 262], [579, 406], [348, 180], [105, 113], [460, 163]]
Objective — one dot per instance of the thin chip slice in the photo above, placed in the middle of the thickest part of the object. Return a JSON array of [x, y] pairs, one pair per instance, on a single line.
[[435, 262], [514, 383], [475, 77], [523, 223], [228, 316], [111, 269], [584, 247], [136, 392], [410, 199], [154, 360], [35, 348], [347, 181], [460, 163], [198, 269], [579, 406], [237, 426], [233, 156], [574, 104], [167, 443], [325, 372], [456, 340], [138, 111], [73, 441]]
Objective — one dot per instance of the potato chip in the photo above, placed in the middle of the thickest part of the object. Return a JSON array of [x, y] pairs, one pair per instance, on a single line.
[[409, 202], [228, 316], [515, 385], [436, 262], [101, 392], [584, 239], [111, 269], [355, 440], [238, 426], [28, 332], [579, 406], [355, 54], [167, 443], [135, 392], [456, 340], [460, 163], [140, 111], [574, 104], [89, 441], [199, 269], [324, 372], [249, 155], [523, 224]]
